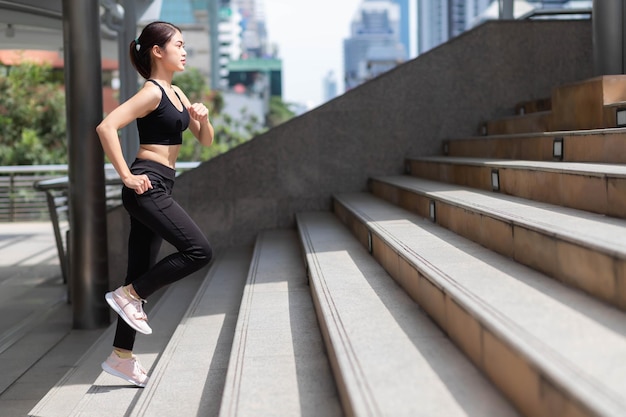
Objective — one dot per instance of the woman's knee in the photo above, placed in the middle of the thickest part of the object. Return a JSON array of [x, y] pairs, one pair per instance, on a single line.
[[201, 253]]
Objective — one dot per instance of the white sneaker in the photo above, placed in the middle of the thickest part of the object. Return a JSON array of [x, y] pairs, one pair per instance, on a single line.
[[127, 369], [130, 309]]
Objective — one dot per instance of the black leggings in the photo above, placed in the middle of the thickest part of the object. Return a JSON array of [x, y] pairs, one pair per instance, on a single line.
[[154, 216]]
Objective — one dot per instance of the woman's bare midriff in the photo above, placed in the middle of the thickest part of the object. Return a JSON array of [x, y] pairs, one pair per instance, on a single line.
[[163, 154]]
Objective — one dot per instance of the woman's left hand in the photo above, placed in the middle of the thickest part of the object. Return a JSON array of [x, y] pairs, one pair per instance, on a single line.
[[199, 112]]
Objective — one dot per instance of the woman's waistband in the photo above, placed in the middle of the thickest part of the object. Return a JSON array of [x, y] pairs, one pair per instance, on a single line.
[[142, 165]]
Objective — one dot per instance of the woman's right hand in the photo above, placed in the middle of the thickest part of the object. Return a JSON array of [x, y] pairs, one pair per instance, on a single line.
[[139, 183]]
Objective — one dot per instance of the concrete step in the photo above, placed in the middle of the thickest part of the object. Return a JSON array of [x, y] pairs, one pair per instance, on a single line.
[[278, 366], [587, 104], [526, 123], [388, 358], [86, 390], [536, 339], [598, 188], [533, 106], [189, 378], [600, 145], [582, 249], [31, 324]]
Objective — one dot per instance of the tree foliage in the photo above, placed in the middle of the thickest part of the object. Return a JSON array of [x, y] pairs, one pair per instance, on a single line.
[[279, 112], [229, 131], [32, 116]]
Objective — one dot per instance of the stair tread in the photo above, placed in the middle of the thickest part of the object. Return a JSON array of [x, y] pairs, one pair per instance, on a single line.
[[541, 113], [189, 376], [577, 226], [394, 360], [551, 134], [557, 328], [278, 365], [595, 169]]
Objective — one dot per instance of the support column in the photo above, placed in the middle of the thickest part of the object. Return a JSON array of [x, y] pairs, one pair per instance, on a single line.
[[128, 78], [608, 37], [88, 231], [506, 9]]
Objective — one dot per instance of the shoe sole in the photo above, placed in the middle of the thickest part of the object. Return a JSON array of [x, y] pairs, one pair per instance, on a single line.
[[106, 368], [122, 314]]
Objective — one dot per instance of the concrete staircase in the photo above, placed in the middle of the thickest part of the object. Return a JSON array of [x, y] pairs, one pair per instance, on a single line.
[[489, 281]]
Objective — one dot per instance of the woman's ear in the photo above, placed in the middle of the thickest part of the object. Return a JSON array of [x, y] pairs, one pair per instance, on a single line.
[[156, 51]]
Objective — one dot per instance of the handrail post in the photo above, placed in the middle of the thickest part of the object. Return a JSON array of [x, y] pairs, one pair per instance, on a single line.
[[12, 197], [56, 228]]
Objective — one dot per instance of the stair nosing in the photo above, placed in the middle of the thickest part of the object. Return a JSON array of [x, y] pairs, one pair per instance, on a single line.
[[572, 168]]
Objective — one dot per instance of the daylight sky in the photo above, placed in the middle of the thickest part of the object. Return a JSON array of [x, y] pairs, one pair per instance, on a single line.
[[309, 36]]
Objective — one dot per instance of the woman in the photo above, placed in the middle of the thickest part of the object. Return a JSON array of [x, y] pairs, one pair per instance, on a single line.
[[162, 112]]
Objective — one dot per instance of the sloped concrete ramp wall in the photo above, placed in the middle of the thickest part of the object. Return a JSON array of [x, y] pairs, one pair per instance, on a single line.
[[445, 93]]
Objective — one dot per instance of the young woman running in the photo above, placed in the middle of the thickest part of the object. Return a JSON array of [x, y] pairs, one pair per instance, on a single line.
[[162, 112]]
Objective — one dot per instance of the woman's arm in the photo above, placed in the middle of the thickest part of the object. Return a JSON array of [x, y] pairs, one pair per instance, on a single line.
[[142, 103], [200, 125]]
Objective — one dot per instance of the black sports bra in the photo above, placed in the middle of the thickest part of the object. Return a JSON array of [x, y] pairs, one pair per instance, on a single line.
[[165, 124]]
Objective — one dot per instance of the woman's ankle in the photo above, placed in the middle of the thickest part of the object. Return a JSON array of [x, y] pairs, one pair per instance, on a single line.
[[130, 290], [123, 353]]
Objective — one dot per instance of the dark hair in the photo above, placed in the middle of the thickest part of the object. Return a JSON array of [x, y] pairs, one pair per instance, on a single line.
[[155, 33]]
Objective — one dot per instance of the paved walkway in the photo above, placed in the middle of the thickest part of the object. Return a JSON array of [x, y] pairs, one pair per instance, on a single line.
[[34, 315], [27, 249]]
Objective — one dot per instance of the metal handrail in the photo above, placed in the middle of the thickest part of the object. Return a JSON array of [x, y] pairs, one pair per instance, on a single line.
[[56, 190], [556, 12]]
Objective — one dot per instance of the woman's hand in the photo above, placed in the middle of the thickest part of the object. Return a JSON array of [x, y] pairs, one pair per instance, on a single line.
[[139, 183], [199, 112]]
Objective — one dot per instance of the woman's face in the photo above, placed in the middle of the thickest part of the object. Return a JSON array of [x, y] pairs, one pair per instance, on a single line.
[[175, 56]]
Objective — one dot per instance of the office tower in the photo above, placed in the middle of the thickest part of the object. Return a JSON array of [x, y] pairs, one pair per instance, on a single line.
[[404, 34], [441, 20], [254, 32], [330, 86], [229, 38], [374, 45]]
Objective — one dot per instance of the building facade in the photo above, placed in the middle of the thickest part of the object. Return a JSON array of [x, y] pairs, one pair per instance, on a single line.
[[374, 45]]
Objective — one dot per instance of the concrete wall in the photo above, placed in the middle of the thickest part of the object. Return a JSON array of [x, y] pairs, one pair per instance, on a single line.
[[445, 93]]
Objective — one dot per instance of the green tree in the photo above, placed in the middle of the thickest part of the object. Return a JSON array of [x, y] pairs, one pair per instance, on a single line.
[[279, 112], [229, 131], [32, 116]]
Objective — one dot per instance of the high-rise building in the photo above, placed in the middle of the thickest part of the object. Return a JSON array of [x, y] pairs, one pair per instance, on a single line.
[[404, 34], [374, 45], [254, 32], [441, 20], [330, 86], [191, 17], [228, 38]]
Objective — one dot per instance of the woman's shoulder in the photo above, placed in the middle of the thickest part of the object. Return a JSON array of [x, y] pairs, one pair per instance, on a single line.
[[152, 88], [151, 92], [145, 100]]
